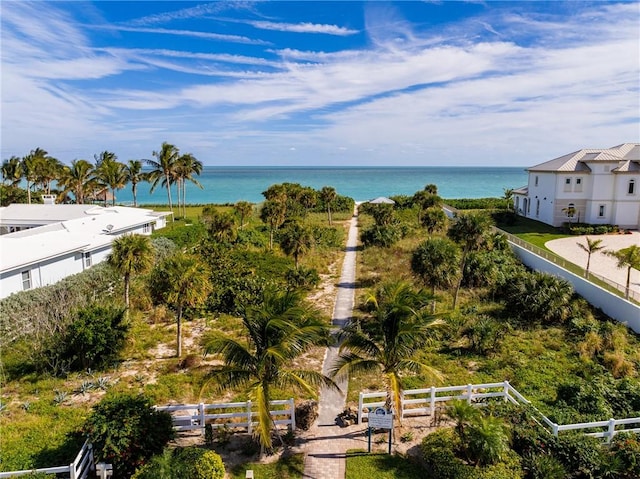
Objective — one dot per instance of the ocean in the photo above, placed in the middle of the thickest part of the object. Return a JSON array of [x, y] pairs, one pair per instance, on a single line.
[[228, 184]]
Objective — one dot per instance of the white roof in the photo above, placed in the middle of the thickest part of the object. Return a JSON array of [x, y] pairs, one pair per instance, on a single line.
[[45, 214], [382, 200], [92, 228]]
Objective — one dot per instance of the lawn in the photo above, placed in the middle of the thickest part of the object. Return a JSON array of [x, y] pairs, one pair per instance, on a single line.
[[290, 467], [361, 465], [533, 232]]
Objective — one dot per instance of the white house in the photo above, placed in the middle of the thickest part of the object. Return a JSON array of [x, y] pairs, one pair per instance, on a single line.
[[41, 244], [595, 186]]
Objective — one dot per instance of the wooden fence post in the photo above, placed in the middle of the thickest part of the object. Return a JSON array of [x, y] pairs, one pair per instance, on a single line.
[[612, 430], [202, 418], [293, 415], [249, 418], [433, 401]]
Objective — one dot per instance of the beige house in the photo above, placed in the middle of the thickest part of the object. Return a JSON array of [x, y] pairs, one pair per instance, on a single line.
[[595, 186]]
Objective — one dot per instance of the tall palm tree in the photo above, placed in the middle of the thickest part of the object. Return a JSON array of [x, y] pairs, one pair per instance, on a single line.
[[163, 168], [243, 209], [591, 247], [470, 230], [296, 240], [30, 167], [278, 331], [186, 166], [273, 213], [328, 195], [131, 254], [12, 171], [46, 169], [78, 179], [627, 258], [110, 172], [435, 262], [181, 281], [389, 341], [134, 175]]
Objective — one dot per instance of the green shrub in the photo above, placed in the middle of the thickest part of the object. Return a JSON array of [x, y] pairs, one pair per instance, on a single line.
[[479, 203], [439, 455], [581, 455], [162, 248], [625, 454], [127, 431], [302, 278], [543, 466], [183, 236], [508, 467], [327, 237], [487, 440], [92, 340], [383, 236], [195, 463]]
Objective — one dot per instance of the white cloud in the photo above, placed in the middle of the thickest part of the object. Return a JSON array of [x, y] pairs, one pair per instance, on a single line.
[[183, 33], [304, 28]]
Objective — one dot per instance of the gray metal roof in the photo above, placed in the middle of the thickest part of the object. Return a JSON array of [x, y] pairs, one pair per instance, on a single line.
[[579, 160]]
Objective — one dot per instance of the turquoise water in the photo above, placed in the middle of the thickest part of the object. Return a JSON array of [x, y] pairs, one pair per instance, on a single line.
[[232, 184]]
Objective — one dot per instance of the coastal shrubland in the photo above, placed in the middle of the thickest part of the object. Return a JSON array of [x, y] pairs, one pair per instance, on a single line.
[[574, 363], [40, 402]]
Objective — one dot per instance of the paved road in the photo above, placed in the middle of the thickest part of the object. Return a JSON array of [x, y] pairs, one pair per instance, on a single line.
[[327, 443]]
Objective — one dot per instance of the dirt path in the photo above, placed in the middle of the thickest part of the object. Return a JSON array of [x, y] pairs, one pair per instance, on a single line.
[[326, 443]]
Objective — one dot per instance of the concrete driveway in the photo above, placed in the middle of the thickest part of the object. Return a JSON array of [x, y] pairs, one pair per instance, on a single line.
[[601, 264]]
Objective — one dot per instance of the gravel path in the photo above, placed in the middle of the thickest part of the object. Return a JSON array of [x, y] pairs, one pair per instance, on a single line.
[[601, 264]]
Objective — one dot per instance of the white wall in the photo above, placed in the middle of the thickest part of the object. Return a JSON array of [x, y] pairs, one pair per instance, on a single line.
[[613, 305]]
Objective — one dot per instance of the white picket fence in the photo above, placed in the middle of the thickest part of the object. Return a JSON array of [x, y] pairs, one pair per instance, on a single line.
[[80, 468], [235, 414], [424, 402]]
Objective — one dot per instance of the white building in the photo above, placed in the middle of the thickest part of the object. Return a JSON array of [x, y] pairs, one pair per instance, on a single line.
[[587, 186], [41, 244]]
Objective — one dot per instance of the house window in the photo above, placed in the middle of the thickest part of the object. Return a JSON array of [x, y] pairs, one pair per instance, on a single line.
[[632, 187], [87, 260], [26, 280], [578, 186], [146, 228], [601, 211], [536, 181], [537, 207], [567, 184]]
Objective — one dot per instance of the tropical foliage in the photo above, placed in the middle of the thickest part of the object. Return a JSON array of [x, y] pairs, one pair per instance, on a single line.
[[278, 331]]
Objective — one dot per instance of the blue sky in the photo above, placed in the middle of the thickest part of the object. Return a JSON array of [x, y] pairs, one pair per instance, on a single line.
[[321, 83]]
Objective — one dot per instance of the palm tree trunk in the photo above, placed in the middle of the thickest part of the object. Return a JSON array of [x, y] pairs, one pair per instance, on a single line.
[[329, 214], [459, 285], [179, 338], [127, 278], [28, 192], [626, 291], [113, 194], [586, 271], [166, 177], [134, 188]]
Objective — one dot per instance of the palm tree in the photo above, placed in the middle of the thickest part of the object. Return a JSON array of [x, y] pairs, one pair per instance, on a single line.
[[434, 219], [273, 213], [186, 166], [487, 440], [278, 331], [296, 240], [163, 168], [435, 262], [78, 179], [328, 195], [47, 169], [111, 173], [389, 341], [134, 175], [431, 188], [12, 171], [131, 254], [30, 167], [470, 230], [181, 281], [627, 258], [591, 247], [243, 209]]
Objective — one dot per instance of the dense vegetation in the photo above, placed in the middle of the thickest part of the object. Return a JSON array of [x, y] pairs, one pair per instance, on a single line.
[[79, 349], [494, 320]]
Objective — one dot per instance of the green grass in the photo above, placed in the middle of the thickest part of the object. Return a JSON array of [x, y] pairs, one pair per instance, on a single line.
[[290, 467], [361, 465], [533, 232]]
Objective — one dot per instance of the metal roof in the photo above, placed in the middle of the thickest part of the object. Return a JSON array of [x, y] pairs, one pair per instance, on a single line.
[[579, 160]]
